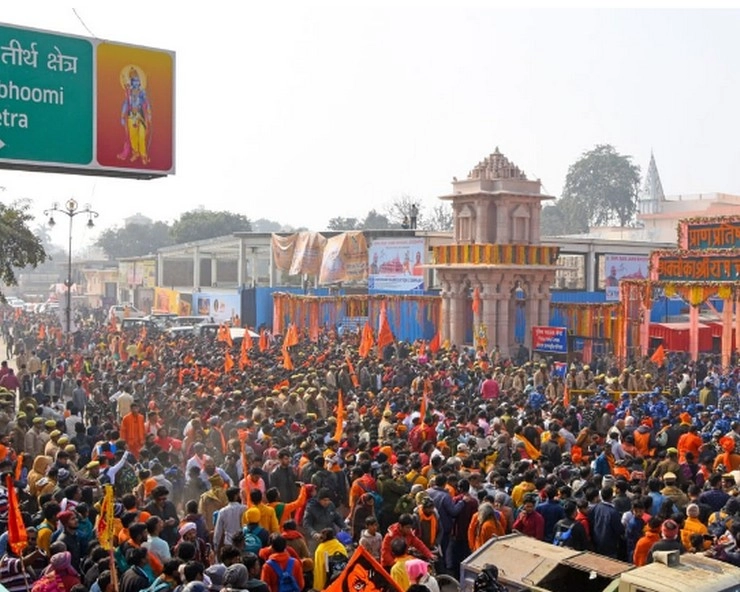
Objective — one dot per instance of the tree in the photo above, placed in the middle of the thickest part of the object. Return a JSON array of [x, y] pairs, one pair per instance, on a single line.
[[559, 220], [375, 221], [440, 220], [19, 246], [134, 240], [400, 208], [202, 224], [265, 225], [340, 223], [601, 188]]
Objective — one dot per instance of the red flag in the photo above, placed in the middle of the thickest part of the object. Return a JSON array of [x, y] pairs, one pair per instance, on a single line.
[[263, 341], [658, 356], [385, 335], [434, 344], [366, 341], [363, 572], [340, 418], [476, 301], [17, 536]]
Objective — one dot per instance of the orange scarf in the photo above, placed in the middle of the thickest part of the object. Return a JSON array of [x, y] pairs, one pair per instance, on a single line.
[[432, 520]]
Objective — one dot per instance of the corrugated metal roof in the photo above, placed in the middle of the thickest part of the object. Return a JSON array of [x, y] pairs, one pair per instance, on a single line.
[[603, 566]]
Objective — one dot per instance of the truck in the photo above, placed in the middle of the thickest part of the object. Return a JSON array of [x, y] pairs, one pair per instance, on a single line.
[[526, 564]]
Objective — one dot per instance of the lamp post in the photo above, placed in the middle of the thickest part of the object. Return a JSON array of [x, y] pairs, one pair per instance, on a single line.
[[70, 209]]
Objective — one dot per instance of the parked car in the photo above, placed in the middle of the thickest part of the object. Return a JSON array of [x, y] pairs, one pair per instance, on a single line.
[[139, 323], [124, 311]]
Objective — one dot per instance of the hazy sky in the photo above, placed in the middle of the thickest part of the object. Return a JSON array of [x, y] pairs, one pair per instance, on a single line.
[[301, 111]]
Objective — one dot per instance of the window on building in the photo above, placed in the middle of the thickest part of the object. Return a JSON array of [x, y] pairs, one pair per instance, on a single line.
[[571, 272]]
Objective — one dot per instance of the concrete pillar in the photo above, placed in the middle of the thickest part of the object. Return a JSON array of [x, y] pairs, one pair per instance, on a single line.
[[503, 330], [253, 265], [457, 317], [160, 270], [444, 321], [214, 271], [240, 263], [196, 267], [488, 316], [533, 314], [481, 221], [694, 332], [590, 269], [503, 228]]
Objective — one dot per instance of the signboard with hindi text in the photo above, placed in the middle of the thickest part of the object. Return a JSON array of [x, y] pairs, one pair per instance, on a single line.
[[714, 268], [553, 340], [719, 234], [86, 106]]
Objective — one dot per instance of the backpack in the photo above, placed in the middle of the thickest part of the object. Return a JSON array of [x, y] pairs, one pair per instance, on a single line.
[[405, 504], [335, 565], [562, 536], [377, 498], [252, 543], [286, 580], [720, 525]]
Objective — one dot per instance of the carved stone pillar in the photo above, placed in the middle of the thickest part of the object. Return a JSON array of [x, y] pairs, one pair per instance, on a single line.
[[503, 330]]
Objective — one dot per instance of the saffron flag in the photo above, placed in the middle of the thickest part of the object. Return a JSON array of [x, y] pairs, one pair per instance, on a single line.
[[566, 397], [366, 341], [287, 361], [385, 335], [435, 343], [363, 572], [340, 418], [243, 355], [423, 407], [105, 526], [658, 356], [263, 341], [228, 363], [247, 340], [476, 300], [352, 373], [17, 536], [291, 336]]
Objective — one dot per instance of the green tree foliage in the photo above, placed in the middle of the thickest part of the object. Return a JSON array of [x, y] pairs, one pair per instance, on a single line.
[[134, 240], [19, 246], [601, 189], [202, 224], [375, 221]]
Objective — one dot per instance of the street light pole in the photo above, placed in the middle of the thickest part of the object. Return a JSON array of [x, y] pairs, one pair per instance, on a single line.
[[70, 209]]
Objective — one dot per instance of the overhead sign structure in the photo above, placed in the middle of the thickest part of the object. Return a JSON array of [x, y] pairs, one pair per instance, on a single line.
[[80, 105], [552, 340]]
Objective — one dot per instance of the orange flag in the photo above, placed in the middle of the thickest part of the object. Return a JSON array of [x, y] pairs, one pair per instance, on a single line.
[[228, 363], [385, 335], [291, 336], [352, 373], [423, 407], [363, 572], [243, 355], [434, 343], [340, 418], [42, 332], [566, 396], [247, 339], [287, 361], [658, 356], [17, 536], [105, 527], [476, 301], [19, 467], [422, 348], [263, 341], [366, 341]]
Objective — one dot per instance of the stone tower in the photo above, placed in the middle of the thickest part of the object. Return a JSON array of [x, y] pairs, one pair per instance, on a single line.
[[651, 196], [497, 251]]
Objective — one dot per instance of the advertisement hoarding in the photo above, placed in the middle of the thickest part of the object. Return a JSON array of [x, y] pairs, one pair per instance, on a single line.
[[623, 267], [396, 264], [221, 307], [82, 105], [552, 340]]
